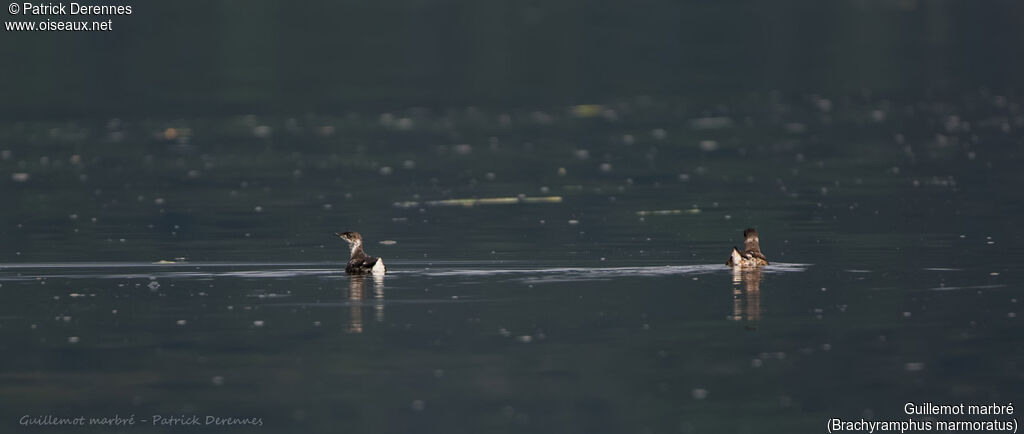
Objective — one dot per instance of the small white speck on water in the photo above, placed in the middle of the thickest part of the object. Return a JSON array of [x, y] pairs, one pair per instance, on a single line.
[[257, 323], [906, 314], [708, 145], [386, 170], [574, 222], [181, 322], [1011, 315], [993, 273], [525, 339], [699, 393], [73, 339], [316, 323], [261, 131], [19, 177], [217, 380], [504, 332], [913, 366], [756, 363], [258, 208], [154, 285], [605, 167]]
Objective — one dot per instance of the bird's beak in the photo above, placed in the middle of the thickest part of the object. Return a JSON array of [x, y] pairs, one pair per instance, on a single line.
[[337, 234]]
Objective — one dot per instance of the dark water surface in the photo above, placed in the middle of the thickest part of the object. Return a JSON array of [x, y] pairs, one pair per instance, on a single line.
[[552, 269]]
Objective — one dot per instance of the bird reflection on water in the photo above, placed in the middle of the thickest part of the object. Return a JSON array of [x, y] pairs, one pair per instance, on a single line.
[[356, 291], [746, 299]]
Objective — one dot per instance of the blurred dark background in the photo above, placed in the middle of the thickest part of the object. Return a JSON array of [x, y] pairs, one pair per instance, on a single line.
[[194, 57]]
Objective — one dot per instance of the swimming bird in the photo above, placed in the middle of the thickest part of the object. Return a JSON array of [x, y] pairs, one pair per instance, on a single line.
[[751, 255], [359, 262]]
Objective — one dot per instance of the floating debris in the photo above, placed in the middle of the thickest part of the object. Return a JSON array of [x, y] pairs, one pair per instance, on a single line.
[[668, 212], [587, 110], [19, 177], [388, 242], [481, 201], [710, 123]]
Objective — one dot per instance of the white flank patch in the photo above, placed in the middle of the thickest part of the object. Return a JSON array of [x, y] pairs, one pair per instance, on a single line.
[[737, 259], [378, 268]]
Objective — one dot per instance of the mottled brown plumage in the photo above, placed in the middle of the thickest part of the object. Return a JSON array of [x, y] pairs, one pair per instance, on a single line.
[[751, 255]]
